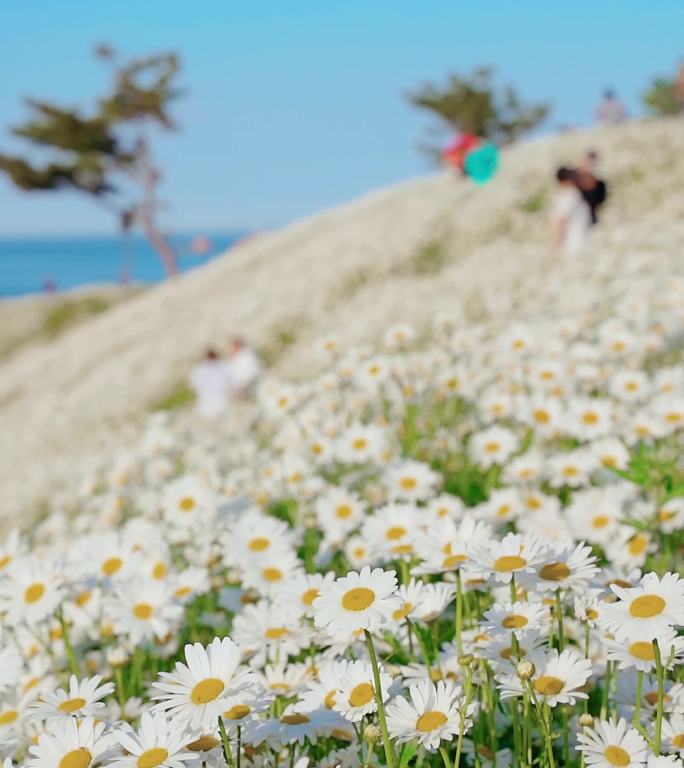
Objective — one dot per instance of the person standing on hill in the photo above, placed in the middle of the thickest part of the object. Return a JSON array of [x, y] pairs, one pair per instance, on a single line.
[[570, 214], [244, 366], [610, 110], [211, 382], [592, 188]]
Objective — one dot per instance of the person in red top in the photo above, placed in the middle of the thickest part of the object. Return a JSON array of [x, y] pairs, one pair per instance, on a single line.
[[455, 154]]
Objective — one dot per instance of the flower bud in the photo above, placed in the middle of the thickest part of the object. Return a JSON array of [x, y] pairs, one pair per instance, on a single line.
[[586, 720], [466, 660], [525, 670], [371, 734]]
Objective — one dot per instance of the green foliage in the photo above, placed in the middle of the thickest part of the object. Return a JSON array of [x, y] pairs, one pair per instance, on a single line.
[[430, 259], [472, 104], [660, 99], [104, 154], [67, 314], [179, 396], [280, 339], [534, 203]]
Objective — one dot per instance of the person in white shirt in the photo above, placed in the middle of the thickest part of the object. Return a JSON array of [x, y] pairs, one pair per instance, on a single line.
[[570, 214], [244, 366], [211, 382]]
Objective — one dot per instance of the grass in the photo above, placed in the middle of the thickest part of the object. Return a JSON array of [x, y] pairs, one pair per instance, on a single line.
[[534, 203], [179, 396], [281, 337], [430, 258]]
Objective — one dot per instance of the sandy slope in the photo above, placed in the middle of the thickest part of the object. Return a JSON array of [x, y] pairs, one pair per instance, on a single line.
[[350, 271]]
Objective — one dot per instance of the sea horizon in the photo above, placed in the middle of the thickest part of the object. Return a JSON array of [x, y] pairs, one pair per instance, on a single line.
[[43, 263]]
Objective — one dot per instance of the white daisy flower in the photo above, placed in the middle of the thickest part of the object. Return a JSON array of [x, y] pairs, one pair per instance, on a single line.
[[71, 744], [364, 600], [198, 692], [612, 744], [356, 691], [81, 700], [432, 715], [158, 743]]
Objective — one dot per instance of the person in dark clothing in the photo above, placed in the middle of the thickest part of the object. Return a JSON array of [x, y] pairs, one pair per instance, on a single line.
[[593, 189]]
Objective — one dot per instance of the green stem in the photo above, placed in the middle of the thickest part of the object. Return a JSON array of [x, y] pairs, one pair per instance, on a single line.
[[559, 612], [68, 647], [387, 744], [120, 692], [227, 752], [445, 756], [239, 746], [660, 672], [636, 718], [544, 724], [459, 612]]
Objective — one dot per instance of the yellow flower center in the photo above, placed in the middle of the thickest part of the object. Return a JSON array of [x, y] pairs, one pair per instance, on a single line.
[[678, 741], [202, 744], [361, 694], [542, 416], [111, 565], [143, 611], [207, 690], [642, 650], [590, 418], [151, 758], [453, 560], [159, 571], [402, 613], [182, 592], [600, 521], [77, 758], [8, 716], [617, 756], [237, 712], [272, 574], [492, 447], [395, 532], [358, 599], [83, 598], [554, 572], [344, 511], [646, 606], [547, 685], [408, 483], [187, 504], [5, 561], [514, 621], [275, 633], [329, 700], [34, 592], [296, 718], [637, 545], [72, 705], [310, 595], [259, 544], [509, 563], [430, 720], [359, 444]]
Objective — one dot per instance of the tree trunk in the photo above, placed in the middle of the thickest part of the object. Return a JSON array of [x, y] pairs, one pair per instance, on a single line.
[[148, 211]]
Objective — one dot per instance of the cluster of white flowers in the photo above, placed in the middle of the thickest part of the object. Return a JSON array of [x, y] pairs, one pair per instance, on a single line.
[[462, 545]]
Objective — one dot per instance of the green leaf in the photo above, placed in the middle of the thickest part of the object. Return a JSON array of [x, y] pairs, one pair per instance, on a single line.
[[409, 750]]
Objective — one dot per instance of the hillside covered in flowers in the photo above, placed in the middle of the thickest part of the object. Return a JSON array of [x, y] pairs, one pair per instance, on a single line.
[[447, 531]]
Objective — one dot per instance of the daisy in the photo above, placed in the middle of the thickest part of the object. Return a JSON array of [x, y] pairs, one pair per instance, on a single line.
[[197, 692], [514, 556], [612, 744], [323, 691], [558, 678], [648, 609], [269, 630], [290, 728], [188, 501], [567, 567], [29, 592], [364, 600], [143, 610], [392, 529], [517, 618], [356, 691], [338, 511], [671, 515], [71, 744], [640, 652], [411, 481], [158, 742], [81, 700], [673, 733], [432, 715], [300, 591], [493, 446]]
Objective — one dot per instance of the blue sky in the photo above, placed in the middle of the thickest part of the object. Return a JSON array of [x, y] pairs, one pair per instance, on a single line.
[[293, 106]]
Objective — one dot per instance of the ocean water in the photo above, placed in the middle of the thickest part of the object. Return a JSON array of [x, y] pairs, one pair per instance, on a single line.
[[33, 265]]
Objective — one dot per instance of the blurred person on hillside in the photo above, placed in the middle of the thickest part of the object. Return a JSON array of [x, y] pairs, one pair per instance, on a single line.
[[570, 214], [591, 186], [211, 381], [244, 366], [610, 110], [679, 87]]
